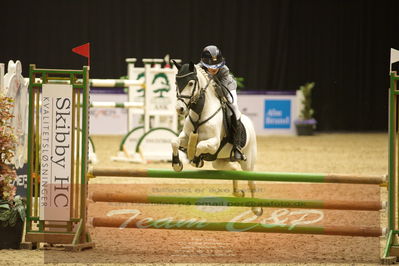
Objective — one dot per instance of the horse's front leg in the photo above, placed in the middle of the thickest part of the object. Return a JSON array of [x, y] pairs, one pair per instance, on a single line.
[[210, 146], [180, 141]]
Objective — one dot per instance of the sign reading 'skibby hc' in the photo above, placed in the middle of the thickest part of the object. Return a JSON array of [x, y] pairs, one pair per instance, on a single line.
[[56, 127]]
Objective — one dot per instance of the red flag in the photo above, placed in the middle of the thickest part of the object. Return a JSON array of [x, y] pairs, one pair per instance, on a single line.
[[83, 50]]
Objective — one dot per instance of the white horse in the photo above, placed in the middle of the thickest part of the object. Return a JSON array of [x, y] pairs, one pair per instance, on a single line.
[[204, 136]]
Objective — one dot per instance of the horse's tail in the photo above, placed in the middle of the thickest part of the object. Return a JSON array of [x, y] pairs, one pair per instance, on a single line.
[[250, 149]]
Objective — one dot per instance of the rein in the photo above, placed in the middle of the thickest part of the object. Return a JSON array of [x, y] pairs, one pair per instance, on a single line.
[[197, 124], [196, 104]]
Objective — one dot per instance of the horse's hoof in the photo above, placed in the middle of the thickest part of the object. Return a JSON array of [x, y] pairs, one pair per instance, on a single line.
[[197, 162], [200, 164], [177, 166], [239, 193], [258, 211]]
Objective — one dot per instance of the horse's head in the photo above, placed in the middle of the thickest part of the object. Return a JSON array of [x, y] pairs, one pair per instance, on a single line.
[[187, 84]]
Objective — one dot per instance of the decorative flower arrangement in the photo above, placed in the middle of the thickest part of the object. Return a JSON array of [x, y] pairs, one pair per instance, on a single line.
[[7, 145], [310, 121], [240, 81], [10, 206], [306, 122]]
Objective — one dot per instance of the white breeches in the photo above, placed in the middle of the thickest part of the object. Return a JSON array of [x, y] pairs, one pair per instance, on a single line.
[[235, 103]]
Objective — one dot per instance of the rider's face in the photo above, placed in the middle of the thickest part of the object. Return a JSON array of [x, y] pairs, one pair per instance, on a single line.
[[213, 71]]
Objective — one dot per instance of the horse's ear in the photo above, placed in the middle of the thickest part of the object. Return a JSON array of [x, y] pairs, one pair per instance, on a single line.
[[178, 66], [191, 67]]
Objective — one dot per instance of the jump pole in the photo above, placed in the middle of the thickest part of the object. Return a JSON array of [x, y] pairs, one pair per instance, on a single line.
[[237, 227], [239, 175], [135, 105], [103, 83], [238, 202], [115, 83]]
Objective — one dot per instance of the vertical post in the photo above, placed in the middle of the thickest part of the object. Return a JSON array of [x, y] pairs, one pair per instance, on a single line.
[[1, 77], [157, 64], [147, 100], [73, 132], [395, 175], [175, 121], [85, 130], [30, 146], [130, 75], [79, 139], [392, 153], [36, 148]]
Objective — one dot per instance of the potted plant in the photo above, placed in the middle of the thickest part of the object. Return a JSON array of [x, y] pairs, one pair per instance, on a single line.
[[240, 81], [12, 209], [306, 124]]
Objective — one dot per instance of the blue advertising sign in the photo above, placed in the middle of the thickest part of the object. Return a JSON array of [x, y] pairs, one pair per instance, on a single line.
[[277, 114]]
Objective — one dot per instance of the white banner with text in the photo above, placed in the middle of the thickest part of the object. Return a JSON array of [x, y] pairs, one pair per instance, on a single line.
[[56, 142]]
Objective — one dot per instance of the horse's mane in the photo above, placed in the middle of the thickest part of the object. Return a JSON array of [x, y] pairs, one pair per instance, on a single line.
[[200, 69], [204, 75]]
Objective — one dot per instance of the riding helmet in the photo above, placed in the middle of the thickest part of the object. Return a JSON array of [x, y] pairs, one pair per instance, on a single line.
[[211, 57]]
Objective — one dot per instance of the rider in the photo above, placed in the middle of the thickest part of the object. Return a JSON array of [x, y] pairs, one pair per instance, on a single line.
[[214, 64]]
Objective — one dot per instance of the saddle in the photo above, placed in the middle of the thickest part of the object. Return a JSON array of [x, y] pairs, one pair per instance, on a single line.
[[230, 124]]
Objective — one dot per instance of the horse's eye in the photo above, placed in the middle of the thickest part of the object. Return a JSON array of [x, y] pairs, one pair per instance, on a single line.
[[190, 83]]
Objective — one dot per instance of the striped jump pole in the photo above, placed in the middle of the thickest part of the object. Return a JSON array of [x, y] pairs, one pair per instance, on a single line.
[[131, 105], [236, 227], [238, 202], [239, 175], [136, 105], [103, 83], [115, 83]]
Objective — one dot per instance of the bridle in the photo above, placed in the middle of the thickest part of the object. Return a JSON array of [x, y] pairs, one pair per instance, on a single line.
[[182, 85], [195, 101]]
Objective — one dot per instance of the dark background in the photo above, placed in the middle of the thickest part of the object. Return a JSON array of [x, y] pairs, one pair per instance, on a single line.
[[342, 45]]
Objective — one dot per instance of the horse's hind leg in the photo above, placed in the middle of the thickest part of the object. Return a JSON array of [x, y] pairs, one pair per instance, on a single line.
[[225, 164], [249, 165], [258, 211], [237, 192]]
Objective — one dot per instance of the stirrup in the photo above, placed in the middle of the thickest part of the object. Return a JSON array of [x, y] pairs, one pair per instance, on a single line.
[[236, 151]]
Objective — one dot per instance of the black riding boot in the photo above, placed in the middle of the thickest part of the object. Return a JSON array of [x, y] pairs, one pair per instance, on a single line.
[[236, 153]]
